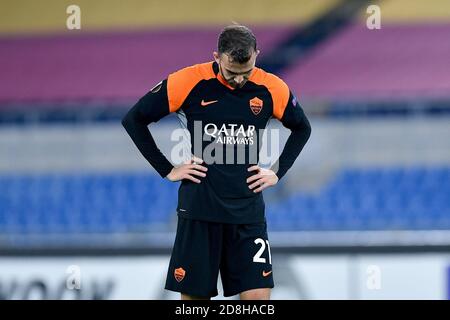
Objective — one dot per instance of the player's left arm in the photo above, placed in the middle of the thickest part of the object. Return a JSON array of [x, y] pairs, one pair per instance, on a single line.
[[292, 117]]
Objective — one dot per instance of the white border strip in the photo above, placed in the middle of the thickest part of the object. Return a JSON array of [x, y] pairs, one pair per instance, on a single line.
[[165, 240]]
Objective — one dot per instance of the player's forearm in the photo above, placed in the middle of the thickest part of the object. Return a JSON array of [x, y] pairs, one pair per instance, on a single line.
[[138, 130], [300, 133]]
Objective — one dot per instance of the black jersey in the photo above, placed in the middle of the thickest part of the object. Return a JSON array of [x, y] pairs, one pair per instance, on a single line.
[[225, 128]]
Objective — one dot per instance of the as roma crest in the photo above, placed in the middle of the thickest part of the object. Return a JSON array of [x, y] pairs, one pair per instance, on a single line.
[[256, 105], [179, 274]]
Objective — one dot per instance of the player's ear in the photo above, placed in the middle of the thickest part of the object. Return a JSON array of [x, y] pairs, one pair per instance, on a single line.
[[216, 56]]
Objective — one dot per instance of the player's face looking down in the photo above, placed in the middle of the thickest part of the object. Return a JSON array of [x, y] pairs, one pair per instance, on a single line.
[[235, 74]]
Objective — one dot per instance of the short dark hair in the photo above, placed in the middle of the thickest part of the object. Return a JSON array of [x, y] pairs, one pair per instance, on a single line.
[[238, 42]]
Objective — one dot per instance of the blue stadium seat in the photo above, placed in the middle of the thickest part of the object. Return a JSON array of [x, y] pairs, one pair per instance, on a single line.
[[357, 199], [372, 199]]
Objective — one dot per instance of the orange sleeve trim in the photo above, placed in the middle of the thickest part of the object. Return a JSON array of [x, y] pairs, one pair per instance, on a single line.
[[181, 83], [278, 90]]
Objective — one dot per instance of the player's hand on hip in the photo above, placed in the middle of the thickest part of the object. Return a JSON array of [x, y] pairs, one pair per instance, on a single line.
[[188, 171], [262, 179]]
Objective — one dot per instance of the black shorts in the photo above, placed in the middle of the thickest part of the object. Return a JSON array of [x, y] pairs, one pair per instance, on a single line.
[[240, 251]]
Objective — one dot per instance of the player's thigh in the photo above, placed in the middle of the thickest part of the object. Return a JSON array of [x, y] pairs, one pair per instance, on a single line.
[[256, 294], [190, 297], [247, 259], [194, 264]]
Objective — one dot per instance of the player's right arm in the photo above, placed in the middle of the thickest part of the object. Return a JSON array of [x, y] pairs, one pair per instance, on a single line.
[[151, 108]]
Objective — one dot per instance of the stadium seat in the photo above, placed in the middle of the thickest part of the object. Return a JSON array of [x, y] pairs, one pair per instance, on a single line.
[[357, 199]]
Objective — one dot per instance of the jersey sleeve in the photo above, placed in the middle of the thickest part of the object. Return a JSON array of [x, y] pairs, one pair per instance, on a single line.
[[292, 117], [154, 105], [167, 96], [181, 83], [280, 96], [150, 108]]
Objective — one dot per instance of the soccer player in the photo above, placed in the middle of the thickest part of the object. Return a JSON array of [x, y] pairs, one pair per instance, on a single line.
[[221, 219]]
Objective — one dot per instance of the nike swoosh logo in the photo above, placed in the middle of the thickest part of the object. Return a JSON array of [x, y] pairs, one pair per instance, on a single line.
[[205, 103], [265, 274]]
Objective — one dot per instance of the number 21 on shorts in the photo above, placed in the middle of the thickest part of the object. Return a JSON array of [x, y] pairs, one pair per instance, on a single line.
[[257, 256]]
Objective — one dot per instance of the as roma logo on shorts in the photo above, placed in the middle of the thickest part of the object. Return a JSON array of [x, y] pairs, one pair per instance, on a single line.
[[256, 105], [179, 274]]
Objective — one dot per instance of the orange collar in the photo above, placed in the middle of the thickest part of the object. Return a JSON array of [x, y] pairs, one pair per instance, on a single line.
[[226, 84], [223, 81]]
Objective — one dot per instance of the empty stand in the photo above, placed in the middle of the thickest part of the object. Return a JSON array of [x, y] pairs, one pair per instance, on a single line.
[[397, 62], [356, 199], [102, 68], [370, 199]]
